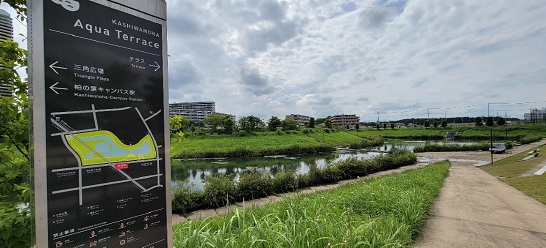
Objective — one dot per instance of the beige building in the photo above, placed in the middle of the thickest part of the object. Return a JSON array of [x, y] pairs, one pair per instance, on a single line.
[[302, 120], [343, 121]]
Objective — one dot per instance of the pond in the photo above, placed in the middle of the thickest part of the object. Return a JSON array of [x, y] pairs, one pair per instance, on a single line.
[[193, 171]]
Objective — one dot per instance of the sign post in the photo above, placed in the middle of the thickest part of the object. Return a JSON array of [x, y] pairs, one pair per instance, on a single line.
[[101, 168]]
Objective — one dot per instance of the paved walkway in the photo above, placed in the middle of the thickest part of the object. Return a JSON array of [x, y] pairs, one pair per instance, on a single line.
[[475, 209]]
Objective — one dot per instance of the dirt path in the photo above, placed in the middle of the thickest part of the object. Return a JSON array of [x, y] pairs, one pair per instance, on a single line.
[[201, 214], [475, 209]]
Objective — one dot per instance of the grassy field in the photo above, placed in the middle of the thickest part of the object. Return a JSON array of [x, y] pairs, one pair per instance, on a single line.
[[298, 142], [513, 132], [260, 144], [510, 169], [384, 212], [198, 146], [334, 138]]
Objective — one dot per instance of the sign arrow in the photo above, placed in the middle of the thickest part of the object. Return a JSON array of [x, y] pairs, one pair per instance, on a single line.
[[156, 66], [53, 88], [52, 66]]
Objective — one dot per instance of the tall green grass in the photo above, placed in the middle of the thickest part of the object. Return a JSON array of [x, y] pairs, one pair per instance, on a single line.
[[384, 212]]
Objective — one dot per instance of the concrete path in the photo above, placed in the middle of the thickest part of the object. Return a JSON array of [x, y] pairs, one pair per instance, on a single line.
[[475, 209]]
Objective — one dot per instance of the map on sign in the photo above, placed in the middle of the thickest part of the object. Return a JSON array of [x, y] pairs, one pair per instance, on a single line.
[[96, 148]]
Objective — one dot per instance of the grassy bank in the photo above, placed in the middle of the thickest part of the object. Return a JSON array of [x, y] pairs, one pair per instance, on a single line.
[[384, 212], [259, 144], [331, 138], [510, 169], [224, 189], [511, 132], [308, 141]]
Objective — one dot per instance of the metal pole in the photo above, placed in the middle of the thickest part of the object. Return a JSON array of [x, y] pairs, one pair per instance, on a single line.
[[491, 150]]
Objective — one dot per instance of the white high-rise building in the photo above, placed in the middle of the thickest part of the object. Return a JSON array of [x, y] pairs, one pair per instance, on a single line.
[[6, 32], [6, 26], [194, 111]]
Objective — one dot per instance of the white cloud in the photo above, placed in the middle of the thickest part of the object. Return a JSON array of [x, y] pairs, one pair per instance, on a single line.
[[324, 57]]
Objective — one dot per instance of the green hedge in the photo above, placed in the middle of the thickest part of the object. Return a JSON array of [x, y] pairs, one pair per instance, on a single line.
[[221, 190]]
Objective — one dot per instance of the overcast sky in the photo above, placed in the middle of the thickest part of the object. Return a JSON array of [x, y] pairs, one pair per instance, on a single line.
[[327, 57]]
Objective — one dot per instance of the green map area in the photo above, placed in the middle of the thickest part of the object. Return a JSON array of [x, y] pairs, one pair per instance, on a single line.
[[99, 147]]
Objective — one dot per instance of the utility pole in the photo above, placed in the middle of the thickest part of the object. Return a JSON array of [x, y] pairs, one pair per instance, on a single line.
[[428, 115]]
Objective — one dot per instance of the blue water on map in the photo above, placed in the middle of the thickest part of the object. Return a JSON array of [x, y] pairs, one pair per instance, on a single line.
[[108, 148]]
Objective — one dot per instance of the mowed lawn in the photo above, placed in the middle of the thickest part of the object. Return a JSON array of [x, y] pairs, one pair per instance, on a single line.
[[510, 169]]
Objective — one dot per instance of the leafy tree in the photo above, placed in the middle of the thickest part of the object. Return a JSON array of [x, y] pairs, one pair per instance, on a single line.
[[501, 121], [213, 120], [311, 123], [249, 123], [427, 123], [384, 125], [228, 124], [328, 122], [377, 126], [478, 121], [178, 123], [444, 123], [273, 123], [288, 124], [192, 127], [319, 121], [489, 121], [435, 124], [392, 125], [15, 224]]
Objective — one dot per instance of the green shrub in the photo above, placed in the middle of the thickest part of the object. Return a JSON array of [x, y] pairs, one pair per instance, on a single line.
[[252, 184], [314, 175], [185, 199], [284, 181], [15, 226], [279, 132], [330, 174], [219, 190], [352, 167], [529, 139], [303, 180], [327, 130]]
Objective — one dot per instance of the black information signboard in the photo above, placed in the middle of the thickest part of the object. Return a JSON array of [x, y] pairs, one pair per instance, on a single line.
[[104, 127]]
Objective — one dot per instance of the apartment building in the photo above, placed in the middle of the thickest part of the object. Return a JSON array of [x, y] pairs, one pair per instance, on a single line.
[[302, 120], [344, 121], [193, 111]]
